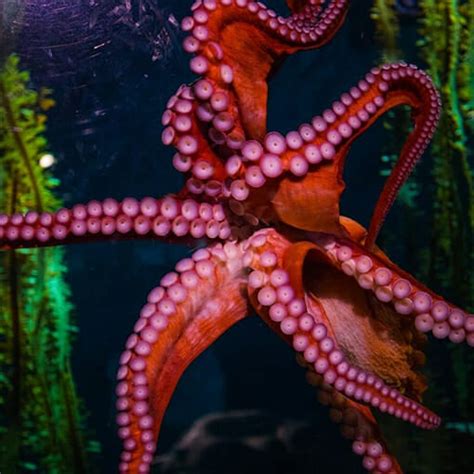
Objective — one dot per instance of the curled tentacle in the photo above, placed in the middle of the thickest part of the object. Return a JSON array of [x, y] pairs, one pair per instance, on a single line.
[[196, 154], [168, 217], [306, 165], [305, 319], [325, 144], [191, 308]]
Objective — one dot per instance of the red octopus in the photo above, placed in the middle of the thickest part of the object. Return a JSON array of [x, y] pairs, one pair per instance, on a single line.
[[268, 207]]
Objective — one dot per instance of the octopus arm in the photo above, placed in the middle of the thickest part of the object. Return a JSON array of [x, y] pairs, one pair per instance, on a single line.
[[168, 218], [410, 300], [237, 45], [358, 348], [357, 424], [183, 316], [324, 145]]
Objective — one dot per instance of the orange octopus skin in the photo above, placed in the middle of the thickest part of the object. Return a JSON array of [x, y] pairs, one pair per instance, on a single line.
[[268, 206]]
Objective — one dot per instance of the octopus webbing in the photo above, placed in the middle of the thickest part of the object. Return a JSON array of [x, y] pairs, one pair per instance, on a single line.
[[267, 207]]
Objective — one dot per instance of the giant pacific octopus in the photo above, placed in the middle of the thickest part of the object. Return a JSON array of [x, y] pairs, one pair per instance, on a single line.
[[267, 208]]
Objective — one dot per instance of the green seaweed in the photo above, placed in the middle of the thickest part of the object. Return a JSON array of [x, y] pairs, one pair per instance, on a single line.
[[447, 29], [387, 28], [447, 32], [41, 423]]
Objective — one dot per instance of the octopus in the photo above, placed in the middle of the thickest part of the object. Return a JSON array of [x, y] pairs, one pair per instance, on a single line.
[[262, 209]]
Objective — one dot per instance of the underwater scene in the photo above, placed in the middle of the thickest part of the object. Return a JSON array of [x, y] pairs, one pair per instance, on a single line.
[[236, 237]]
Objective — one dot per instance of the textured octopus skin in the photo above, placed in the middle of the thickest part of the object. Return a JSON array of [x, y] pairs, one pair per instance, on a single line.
[[268, 207]]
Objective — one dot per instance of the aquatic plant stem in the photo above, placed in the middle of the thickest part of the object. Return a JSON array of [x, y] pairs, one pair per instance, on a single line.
[[16, 133], [16, 395]]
